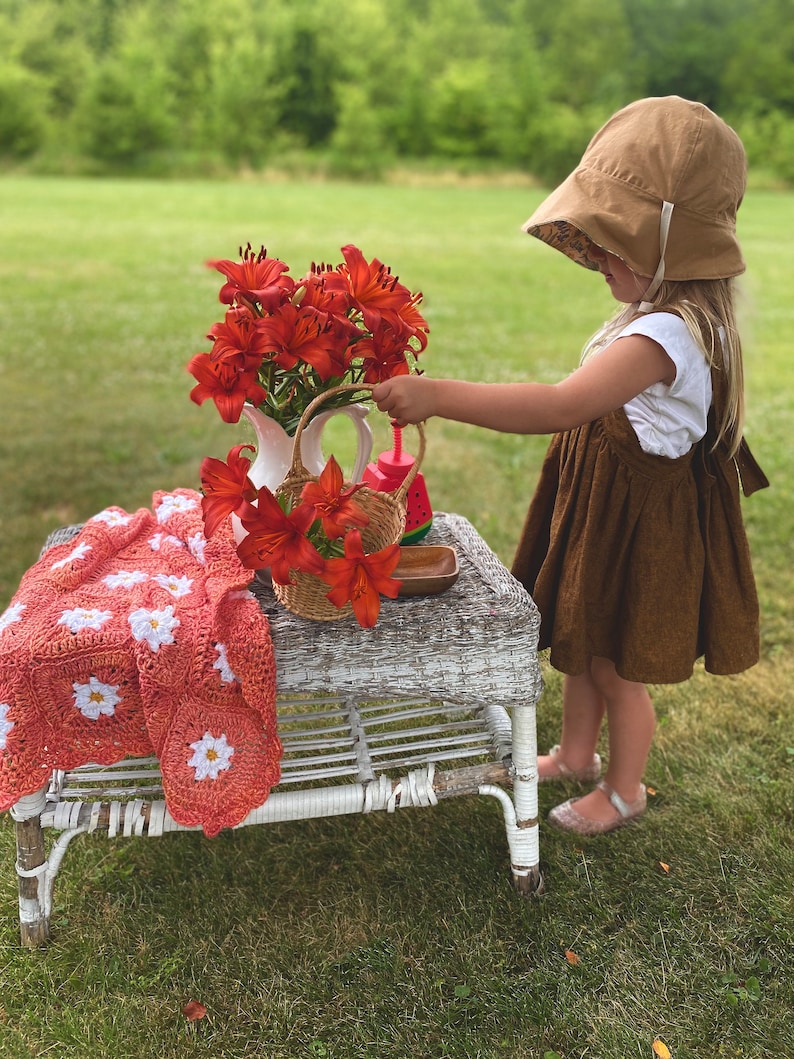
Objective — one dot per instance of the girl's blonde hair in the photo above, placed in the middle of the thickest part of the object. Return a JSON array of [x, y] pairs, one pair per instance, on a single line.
[[707, 308]]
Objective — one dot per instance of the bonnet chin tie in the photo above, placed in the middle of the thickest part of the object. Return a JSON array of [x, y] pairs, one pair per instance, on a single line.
[[647, 305]]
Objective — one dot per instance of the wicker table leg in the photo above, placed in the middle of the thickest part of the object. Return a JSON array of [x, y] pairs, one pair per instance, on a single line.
[[34, 922], [524, 838], [529, 883]]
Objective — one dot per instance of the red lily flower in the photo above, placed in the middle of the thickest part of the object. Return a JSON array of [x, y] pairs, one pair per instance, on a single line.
[[345, 335], [257, 278], [317, 294], [278, 540], [414, 321], [228, 387], [361, 579], [332, 504], [383, 355], [226, 487], [237, 341], [374, 290], [293, 334], [334, 304]]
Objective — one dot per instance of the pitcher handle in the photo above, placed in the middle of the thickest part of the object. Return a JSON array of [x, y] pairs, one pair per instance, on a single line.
[[311, 441]]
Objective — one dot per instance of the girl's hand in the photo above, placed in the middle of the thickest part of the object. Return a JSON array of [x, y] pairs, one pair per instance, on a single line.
[[406, 398]]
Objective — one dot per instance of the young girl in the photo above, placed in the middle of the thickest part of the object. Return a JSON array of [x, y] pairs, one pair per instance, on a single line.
[[633, 548]]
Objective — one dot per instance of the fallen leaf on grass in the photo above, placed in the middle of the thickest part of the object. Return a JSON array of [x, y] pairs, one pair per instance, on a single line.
[[661, 1049], [665, 867], [194, 1010], [571, 957]]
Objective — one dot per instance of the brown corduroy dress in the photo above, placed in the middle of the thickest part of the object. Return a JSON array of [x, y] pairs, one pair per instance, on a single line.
[[641, 559]]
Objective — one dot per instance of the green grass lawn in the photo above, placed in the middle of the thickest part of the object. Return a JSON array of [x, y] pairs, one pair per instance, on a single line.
[[392, 936]]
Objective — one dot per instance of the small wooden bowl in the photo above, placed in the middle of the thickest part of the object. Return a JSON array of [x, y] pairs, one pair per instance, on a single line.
[[426, 570]]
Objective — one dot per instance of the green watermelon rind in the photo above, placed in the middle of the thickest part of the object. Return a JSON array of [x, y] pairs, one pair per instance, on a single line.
[[417, 532]]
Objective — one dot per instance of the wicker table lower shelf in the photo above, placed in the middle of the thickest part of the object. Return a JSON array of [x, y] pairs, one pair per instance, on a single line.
[[437, 701]]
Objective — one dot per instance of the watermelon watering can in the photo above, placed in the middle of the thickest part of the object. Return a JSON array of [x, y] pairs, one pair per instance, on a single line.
[[387, 475]]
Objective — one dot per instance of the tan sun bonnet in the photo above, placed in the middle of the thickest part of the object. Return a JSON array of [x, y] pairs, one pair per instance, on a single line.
[[659, 186]]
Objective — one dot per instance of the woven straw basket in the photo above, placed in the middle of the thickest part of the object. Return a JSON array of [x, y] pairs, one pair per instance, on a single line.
[[306, 596]]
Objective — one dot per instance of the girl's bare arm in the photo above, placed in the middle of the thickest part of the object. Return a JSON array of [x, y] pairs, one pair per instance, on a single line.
[[602, 384]]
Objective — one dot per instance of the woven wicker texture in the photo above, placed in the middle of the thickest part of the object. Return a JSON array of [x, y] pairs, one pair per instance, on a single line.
[[474, 644]]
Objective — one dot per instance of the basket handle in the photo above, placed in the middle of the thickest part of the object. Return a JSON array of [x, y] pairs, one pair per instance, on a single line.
[[297, 467]]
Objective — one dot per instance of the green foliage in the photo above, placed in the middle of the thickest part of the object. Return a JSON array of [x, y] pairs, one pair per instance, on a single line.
[[306, 68], [243, 101], [686, 47], [124, 112], [22, 123], [758, 63], [121, 117], [459, 109], [559, 134], [48, 44], [245, 84], [359, 144], [769, 141], [580, 72]]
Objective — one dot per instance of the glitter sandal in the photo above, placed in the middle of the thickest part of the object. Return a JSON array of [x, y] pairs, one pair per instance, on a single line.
[[567, 818], [589, 774]]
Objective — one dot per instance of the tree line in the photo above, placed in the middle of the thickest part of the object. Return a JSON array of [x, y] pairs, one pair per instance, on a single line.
[[360, 86]]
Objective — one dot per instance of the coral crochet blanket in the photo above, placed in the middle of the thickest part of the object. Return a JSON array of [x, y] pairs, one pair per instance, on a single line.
[[139, 636]]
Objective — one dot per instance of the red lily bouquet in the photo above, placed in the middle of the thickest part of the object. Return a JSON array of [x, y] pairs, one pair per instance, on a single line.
[[284, 341], [282, 344]]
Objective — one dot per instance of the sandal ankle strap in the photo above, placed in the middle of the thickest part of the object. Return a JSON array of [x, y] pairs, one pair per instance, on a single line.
[[619, 803]]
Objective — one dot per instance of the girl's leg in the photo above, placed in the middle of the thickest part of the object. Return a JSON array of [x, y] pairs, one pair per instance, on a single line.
[[582, 713], [632, 721]]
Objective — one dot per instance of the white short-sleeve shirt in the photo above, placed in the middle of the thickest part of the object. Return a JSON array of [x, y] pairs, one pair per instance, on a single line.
[[669, 420]]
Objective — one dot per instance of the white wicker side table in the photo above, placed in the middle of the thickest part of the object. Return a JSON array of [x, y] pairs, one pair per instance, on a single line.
[[437, 701]]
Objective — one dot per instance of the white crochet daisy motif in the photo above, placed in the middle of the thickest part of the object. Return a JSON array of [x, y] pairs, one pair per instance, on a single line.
[[159, 539], [111, 517], [79, 552], [5, 724], [11, 615], [177, 586], [95, 698], [84, 618], [125, 579], [210, 756], [156, 627], [196, 546], [221, 663], [171, 503]]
